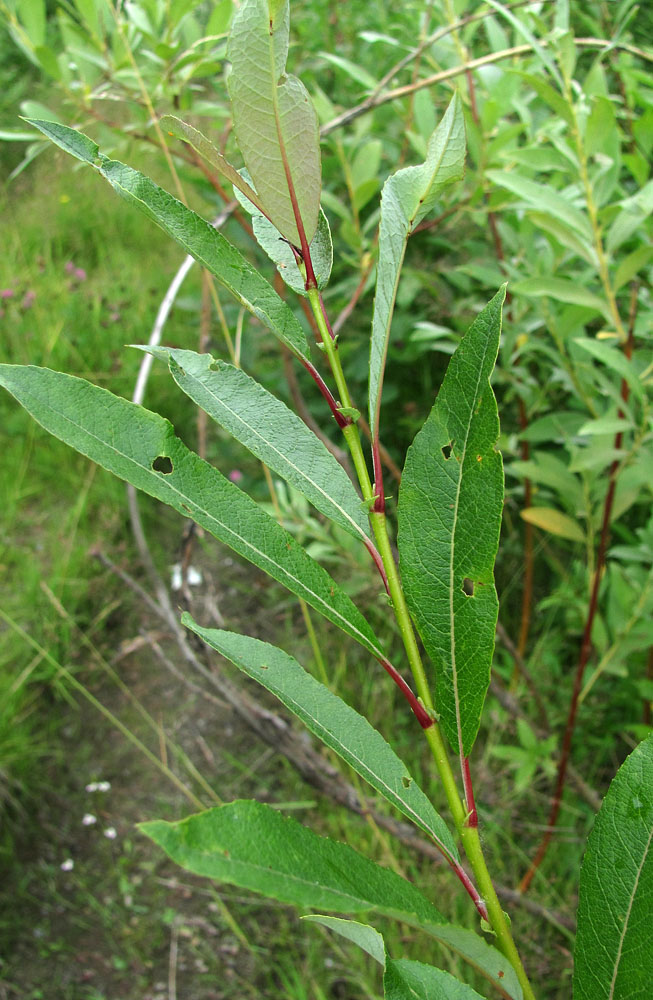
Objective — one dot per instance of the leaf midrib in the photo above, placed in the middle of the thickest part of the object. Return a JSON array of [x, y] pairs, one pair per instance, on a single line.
[[287, 876], [203, 259], [292, 193], [392, 794], [627, 917], [366, 643], [281, 455], [452, 629]]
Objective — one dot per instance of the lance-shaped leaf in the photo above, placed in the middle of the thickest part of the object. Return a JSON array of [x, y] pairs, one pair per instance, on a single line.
[[543, 199], [270, 431], [613, 956], [141, 447], [274, 120], [405, 979], [253, 846], [402, 979], [187, 133], [406, 198], [450, 504], [282, 254], [201, 240], [338, 725]]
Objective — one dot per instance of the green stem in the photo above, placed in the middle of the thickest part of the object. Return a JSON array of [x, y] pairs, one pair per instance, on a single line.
[[468, 835], [472, 844], [315, 645], [592, 211]]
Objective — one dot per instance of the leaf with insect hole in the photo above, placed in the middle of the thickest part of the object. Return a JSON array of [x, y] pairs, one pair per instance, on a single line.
[[450, 505]]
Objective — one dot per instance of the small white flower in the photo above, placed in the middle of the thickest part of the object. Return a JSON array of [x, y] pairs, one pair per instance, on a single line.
[[98, 786], [193, 577], [89, 819], [110, 833], [68, 865]]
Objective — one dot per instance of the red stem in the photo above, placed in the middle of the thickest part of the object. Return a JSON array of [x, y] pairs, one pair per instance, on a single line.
[[471, 889], [586, 643], [373, 551], [421, 714], [311, 281], [341, 420]]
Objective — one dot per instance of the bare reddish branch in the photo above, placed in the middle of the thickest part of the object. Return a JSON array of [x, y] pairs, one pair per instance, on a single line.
[[586, 643]]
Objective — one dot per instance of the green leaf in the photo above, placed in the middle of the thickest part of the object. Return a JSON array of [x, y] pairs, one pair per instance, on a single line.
[[634, 212], [549, 95], [562, 290], [199, 142], [272, 432], [615, 359], [33, 16], [605, 425], [406, 198], [362, 935], [405, 979], [522, 29], [566, 236], [555, 522], [253, 846], [340, 727], [613, 956], [13, 135], [557, 427], [352, 69], [543, 199], [281, 253], [450, 506], [549, 470], [193, 233], [275, 123], [220, 18], [631, 265], [128, 440]]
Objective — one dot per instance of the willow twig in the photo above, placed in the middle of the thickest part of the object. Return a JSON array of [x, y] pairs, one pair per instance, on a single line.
[[374, 101]]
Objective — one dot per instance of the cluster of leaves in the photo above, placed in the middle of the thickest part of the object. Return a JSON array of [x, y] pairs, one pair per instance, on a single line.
[[566, 199]]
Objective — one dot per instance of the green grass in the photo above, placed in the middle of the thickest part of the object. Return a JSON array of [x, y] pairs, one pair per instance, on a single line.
[[56, 506]]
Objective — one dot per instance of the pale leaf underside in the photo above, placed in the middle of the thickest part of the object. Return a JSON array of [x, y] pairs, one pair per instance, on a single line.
[[275, 123], [407, 197]]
